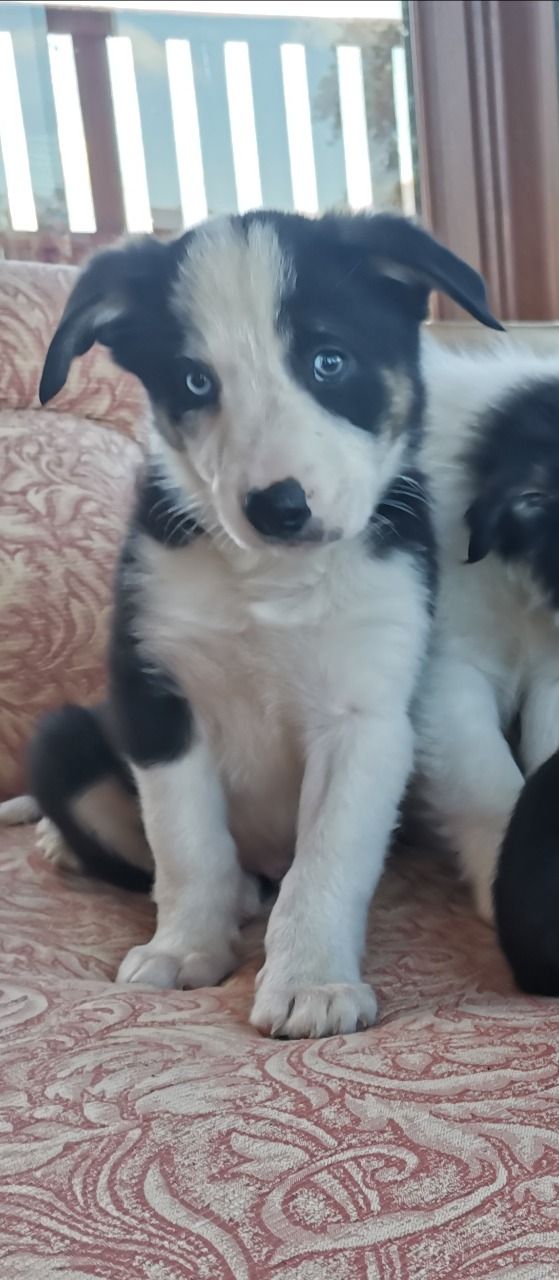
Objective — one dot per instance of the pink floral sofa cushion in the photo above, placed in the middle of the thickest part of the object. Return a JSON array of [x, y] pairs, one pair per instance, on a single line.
[[65, 486], [32, 299], [149, 1135]]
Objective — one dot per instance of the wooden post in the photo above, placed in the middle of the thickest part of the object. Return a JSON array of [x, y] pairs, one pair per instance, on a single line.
[[89, 29]]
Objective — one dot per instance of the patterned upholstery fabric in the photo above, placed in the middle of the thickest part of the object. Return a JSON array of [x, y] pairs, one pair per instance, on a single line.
[[32, 299], [149, 1135], [66, 476], [65, 485]]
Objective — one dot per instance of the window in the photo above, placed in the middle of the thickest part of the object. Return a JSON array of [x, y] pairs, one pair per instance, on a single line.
[[143, 116]]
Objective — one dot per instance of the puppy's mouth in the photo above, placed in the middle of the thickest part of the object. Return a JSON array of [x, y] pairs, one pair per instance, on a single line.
[[313, 534], [254, 534], [312, 538]]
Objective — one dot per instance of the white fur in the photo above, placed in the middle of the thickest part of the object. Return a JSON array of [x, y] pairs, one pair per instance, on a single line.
[[20, 809], [54, 847], [496, 644], [300, 669]]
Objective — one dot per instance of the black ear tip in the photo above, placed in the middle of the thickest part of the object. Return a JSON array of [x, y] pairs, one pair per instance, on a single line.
[[474, 555], [482, 311], [49, 385], [55, 368], [44, 393]]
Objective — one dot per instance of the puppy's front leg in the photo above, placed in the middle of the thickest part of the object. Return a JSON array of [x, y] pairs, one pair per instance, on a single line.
[[540, 721], [470, 777], [199, 885], [357, 768]]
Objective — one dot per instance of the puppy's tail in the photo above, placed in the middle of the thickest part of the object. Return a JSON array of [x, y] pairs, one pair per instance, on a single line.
[[91, 815], [526, 890]]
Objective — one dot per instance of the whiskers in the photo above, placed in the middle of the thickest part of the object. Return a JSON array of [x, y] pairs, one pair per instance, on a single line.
[[175, 516], [186, 514], [382, 523], [405, 487]]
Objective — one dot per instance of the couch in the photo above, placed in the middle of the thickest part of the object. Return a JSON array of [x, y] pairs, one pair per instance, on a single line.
[[148, 1135]]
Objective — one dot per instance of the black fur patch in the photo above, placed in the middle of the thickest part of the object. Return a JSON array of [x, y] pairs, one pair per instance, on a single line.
[[160, 512], [526, 891], [402, 522], [340, 305], [153, 720], [144, 337], [70, 753], [514, 467]]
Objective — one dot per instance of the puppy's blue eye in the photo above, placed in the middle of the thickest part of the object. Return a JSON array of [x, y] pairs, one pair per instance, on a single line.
[[199, 383], [328, 365]]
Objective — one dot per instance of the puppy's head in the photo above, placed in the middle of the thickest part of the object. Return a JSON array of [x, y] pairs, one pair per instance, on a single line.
[[515, 468], [280, 355]]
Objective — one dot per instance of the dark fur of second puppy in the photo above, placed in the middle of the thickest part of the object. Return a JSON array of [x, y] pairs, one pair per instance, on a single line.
[[526, 889]]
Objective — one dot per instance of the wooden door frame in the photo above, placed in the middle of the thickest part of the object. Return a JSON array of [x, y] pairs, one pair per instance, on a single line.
[[487, 112]]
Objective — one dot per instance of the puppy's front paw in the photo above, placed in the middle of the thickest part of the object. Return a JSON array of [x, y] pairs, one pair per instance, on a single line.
[[309, 1010], [151, 966]]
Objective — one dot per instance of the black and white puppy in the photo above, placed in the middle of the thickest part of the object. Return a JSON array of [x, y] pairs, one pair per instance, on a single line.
[[273, 597], [489, 713]]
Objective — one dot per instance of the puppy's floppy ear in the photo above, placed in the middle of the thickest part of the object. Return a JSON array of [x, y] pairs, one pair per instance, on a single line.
[[109, 298], [483, 519], [402, 251], [504, 520]]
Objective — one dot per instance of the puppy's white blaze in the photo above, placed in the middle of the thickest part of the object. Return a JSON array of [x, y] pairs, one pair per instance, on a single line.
[[230, 289]]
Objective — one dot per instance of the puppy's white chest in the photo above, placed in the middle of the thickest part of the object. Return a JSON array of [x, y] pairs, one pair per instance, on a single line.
[[229, 645], [268, 656]]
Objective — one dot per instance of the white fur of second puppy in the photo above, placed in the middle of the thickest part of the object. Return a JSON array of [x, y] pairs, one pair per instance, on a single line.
[[491, 454]]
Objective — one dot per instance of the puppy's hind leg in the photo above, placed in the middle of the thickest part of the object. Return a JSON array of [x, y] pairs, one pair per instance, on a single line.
[[91, 811]]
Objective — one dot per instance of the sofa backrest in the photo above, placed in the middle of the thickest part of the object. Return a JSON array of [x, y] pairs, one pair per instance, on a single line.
[[32, 299]]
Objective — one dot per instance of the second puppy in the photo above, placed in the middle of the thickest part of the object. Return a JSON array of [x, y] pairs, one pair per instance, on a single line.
[[489, 711]]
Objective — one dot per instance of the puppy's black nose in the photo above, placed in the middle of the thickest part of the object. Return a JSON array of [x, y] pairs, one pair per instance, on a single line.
[[280, 511]]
